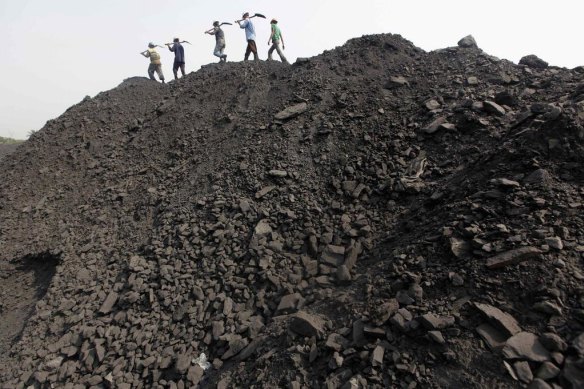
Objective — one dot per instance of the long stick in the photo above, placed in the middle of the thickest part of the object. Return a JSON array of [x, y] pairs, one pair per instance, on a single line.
[[222, 23], [178, 42]]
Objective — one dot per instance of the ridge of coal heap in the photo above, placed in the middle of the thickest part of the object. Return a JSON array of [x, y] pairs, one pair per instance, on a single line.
[[376, 216]]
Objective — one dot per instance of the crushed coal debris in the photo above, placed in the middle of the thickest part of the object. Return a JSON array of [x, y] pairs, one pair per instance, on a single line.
[[376, 216]]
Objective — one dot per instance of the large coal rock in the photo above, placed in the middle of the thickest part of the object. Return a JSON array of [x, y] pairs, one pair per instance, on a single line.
[[533, 61]]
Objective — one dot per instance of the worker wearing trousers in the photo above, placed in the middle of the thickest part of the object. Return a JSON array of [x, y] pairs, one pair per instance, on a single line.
[[155, 64], [250, 36], [251, 48], [155, 67], [275, 38], [219, 42]]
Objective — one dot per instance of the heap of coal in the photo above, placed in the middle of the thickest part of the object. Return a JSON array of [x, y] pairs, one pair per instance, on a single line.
[[376, 216], [7, 149]]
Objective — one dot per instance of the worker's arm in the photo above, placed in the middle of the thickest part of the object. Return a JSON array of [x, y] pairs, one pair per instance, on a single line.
[[282, 38], [242, 23], [271, 36], [145, 54]]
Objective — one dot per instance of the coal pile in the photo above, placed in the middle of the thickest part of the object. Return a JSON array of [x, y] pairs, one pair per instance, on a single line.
[[7, 149], [376, 216]]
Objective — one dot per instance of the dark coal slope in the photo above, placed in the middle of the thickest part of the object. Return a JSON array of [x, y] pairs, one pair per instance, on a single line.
[[7, 149], [407, 215]]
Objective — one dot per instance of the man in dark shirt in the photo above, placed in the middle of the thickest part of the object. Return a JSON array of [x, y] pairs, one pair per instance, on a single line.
[[179, 57], [219, 41]]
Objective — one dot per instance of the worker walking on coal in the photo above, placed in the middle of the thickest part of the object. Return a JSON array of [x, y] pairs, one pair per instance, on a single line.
[[179, 57], [246, 24], [155, 64], [219, 41], [275, 38]]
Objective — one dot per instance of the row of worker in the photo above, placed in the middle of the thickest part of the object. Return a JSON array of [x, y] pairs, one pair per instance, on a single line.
[[245, 23]]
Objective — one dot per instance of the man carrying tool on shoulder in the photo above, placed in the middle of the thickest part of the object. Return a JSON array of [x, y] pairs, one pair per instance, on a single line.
[[246, 24], [275, 38], [155, 64], [219, 41], [179, 57]]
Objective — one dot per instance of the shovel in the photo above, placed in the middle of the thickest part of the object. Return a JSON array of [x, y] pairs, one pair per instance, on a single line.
[[258, 15]]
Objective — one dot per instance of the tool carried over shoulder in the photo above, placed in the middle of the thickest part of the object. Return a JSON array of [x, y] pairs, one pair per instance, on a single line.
[[153, 46], [254, 15], [208, 31], [172, 43]]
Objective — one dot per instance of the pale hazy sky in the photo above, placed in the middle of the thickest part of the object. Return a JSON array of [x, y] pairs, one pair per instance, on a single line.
[[55, 52]]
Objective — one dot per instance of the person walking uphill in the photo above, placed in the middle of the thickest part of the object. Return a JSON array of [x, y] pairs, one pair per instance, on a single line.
[[155, 64], [246, 24], [219, 41], [275, 38], [179, 57]]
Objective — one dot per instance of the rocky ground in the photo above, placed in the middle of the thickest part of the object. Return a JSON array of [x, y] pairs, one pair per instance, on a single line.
[[7, 149], [376, 216]]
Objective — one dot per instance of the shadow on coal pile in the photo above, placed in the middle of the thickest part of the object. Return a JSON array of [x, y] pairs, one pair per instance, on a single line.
[[22, 283]]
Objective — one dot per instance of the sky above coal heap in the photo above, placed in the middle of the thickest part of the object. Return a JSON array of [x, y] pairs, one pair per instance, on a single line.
[[57, 52]]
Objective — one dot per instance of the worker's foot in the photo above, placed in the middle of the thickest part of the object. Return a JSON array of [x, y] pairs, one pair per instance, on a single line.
[[224, 57]]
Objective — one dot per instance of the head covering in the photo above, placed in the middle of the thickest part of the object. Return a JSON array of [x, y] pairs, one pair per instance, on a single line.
[[274, 21], [175, 39], [215, 24], [245, 15], [151, 44]]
